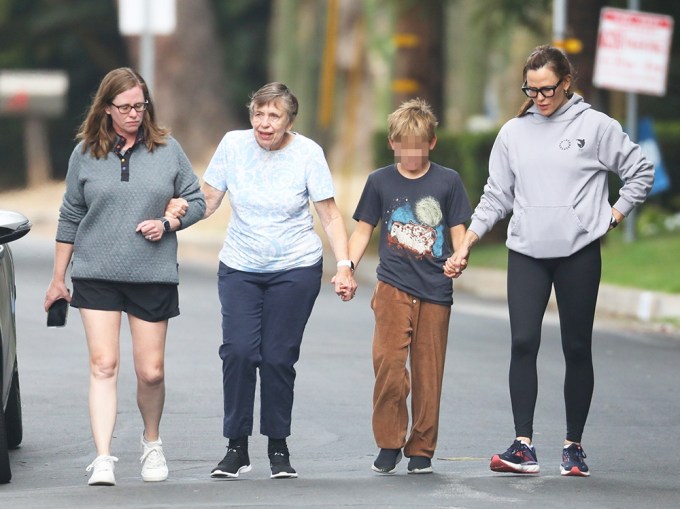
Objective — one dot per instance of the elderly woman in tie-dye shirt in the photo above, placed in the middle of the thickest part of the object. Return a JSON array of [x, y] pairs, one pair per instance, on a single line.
[[270, 268]]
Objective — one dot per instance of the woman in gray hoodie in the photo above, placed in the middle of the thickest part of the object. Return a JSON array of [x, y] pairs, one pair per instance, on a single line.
[[549, 167]]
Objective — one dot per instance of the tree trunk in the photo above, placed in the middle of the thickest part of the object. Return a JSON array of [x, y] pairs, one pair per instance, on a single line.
[[190, 84], [418, 61], [583, 23]]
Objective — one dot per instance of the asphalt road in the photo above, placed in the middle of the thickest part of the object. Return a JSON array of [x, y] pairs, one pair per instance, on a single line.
[[631, 438]]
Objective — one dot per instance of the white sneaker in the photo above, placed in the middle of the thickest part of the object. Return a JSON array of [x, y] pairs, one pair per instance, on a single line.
[[102, 471], [154, 467]]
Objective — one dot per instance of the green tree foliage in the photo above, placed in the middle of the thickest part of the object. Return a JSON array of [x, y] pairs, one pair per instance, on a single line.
[[503, 16], [78, 36]]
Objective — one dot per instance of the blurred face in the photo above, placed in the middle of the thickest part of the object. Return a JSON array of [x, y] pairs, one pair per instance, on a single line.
[[545, 77], [412, 153], [270, 125], [127, 124]]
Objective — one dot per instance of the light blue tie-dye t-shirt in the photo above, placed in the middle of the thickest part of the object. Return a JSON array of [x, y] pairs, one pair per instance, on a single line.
[[271, 226]]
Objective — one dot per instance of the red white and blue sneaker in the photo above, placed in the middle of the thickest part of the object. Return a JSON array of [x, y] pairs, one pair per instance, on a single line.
[[572, 461], [520, 458]]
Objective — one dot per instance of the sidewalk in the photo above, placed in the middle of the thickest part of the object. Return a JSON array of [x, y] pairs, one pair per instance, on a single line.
[[647, 307], [201, 243]]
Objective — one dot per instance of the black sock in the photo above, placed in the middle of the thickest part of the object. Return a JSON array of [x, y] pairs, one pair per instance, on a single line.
[[276, 444], [241, 442]]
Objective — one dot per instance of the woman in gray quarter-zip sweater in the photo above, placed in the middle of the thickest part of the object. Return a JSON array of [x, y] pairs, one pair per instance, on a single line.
[[123, 255], [549, 168]]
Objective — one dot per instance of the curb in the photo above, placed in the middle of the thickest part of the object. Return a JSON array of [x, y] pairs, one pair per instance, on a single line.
[[642, 305], [657, 311]]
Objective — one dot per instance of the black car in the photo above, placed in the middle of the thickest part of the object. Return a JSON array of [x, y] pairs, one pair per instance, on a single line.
[[13, 226]]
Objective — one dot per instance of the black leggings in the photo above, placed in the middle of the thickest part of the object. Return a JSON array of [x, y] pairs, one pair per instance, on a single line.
[[576, 279]]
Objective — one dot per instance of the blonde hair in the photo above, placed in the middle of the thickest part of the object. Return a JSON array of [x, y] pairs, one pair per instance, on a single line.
[[97, 132], [412, 118]]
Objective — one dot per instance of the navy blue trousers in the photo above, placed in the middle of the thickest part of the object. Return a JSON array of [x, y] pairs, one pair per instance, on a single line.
[[263, 319], [576, 280]]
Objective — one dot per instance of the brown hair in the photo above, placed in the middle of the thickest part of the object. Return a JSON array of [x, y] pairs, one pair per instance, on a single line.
[[97, 132], [553, 58], [413, 117], [272, 92]]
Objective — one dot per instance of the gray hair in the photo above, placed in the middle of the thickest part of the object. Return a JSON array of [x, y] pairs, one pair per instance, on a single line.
[[272, 92]]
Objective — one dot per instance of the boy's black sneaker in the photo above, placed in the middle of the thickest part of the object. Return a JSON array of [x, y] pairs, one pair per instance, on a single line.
[[572, 461], [279, 461], [520, 458], [419, 465], [387, 460], [235, 462]]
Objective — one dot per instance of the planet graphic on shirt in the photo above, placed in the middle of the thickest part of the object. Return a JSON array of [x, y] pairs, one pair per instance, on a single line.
[[428, 212]]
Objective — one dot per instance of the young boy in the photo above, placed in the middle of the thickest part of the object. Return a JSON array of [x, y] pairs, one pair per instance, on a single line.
[[422, 208]]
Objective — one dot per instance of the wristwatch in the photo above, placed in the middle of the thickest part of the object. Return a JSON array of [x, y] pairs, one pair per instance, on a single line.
[[166, 224], [613, 223], [346, 263]]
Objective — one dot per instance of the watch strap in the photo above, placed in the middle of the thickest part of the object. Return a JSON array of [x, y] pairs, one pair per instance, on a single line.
[[166, 224], [346, 263]]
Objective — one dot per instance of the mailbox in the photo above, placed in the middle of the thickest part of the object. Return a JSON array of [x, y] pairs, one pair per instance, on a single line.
[[26, 93]]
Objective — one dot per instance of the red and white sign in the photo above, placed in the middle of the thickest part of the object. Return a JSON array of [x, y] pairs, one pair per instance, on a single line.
[[633, 50]]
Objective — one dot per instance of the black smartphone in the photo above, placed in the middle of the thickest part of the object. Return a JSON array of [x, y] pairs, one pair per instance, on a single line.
[[57, 313]]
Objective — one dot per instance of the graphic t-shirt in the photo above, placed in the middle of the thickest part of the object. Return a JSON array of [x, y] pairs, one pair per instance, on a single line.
[[415, 217]]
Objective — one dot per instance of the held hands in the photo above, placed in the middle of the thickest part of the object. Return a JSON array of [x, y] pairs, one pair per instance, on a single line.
[[457, 262], [345, 285]]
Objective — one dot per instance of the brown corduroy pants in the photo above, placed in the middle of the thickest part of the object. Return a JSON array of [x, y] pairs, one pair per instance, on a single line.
[[407, 326]]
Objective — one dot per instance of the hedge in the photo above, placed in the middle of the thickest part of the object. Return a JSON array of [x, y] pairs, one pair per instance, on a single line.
[[468, 153]]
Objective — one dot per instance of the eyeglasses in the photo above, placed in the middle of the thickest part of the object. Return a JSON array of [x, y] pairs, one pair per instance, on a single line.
[[124, 109], [545, 91]]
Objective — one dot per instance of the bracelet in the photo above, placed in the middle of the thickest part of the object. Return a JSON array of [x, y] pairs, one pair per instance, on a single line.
[[346, 263]]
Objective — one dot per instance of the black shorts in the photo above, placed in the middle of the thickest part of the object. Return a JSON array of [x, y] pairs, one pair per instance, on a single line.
[[151, 302]]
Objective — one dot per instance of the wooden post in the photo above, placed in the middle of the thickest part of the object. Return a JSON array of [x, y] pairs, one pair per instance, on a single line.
[[37, 151]]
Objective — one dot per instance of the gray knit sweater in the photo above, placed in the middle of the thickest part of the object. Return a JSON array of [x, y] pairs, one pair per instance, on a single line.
[[99, 213]]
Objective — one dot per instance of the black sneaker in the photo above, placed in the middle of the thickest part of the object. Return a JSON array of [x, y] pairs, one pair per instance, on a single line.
[[419, 465], [520, 458], [387, 460], [279, 461], [572, 461], [235, 462]]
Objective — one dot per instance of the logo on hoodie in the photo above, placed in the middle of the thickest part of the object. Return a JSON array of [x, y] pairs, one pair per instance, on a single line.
[[566, 144]]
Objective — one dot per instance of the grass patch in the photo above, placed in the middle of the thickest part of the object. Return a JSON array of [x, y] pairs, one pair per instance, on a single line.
[[649, 263]]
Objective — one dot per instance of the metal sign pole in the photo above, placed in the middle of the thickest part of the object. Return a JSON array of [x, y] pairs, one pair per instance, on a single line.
[[146, 19], [632, 124], [559, 21], [147, 49]]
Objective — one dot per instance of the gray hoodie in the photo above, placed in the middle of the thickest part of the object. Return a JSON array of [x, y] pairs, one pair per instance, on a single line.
[[551, 172]]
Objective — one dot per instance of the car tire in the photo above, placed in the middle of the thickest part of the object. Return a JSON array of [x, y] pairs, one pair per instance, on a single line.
[[13, 423], [5, 471]]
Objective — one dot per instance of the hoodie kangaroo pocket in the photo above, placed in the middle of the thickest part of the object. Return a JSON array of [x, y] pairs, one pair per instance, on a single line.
[[547, 232]]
